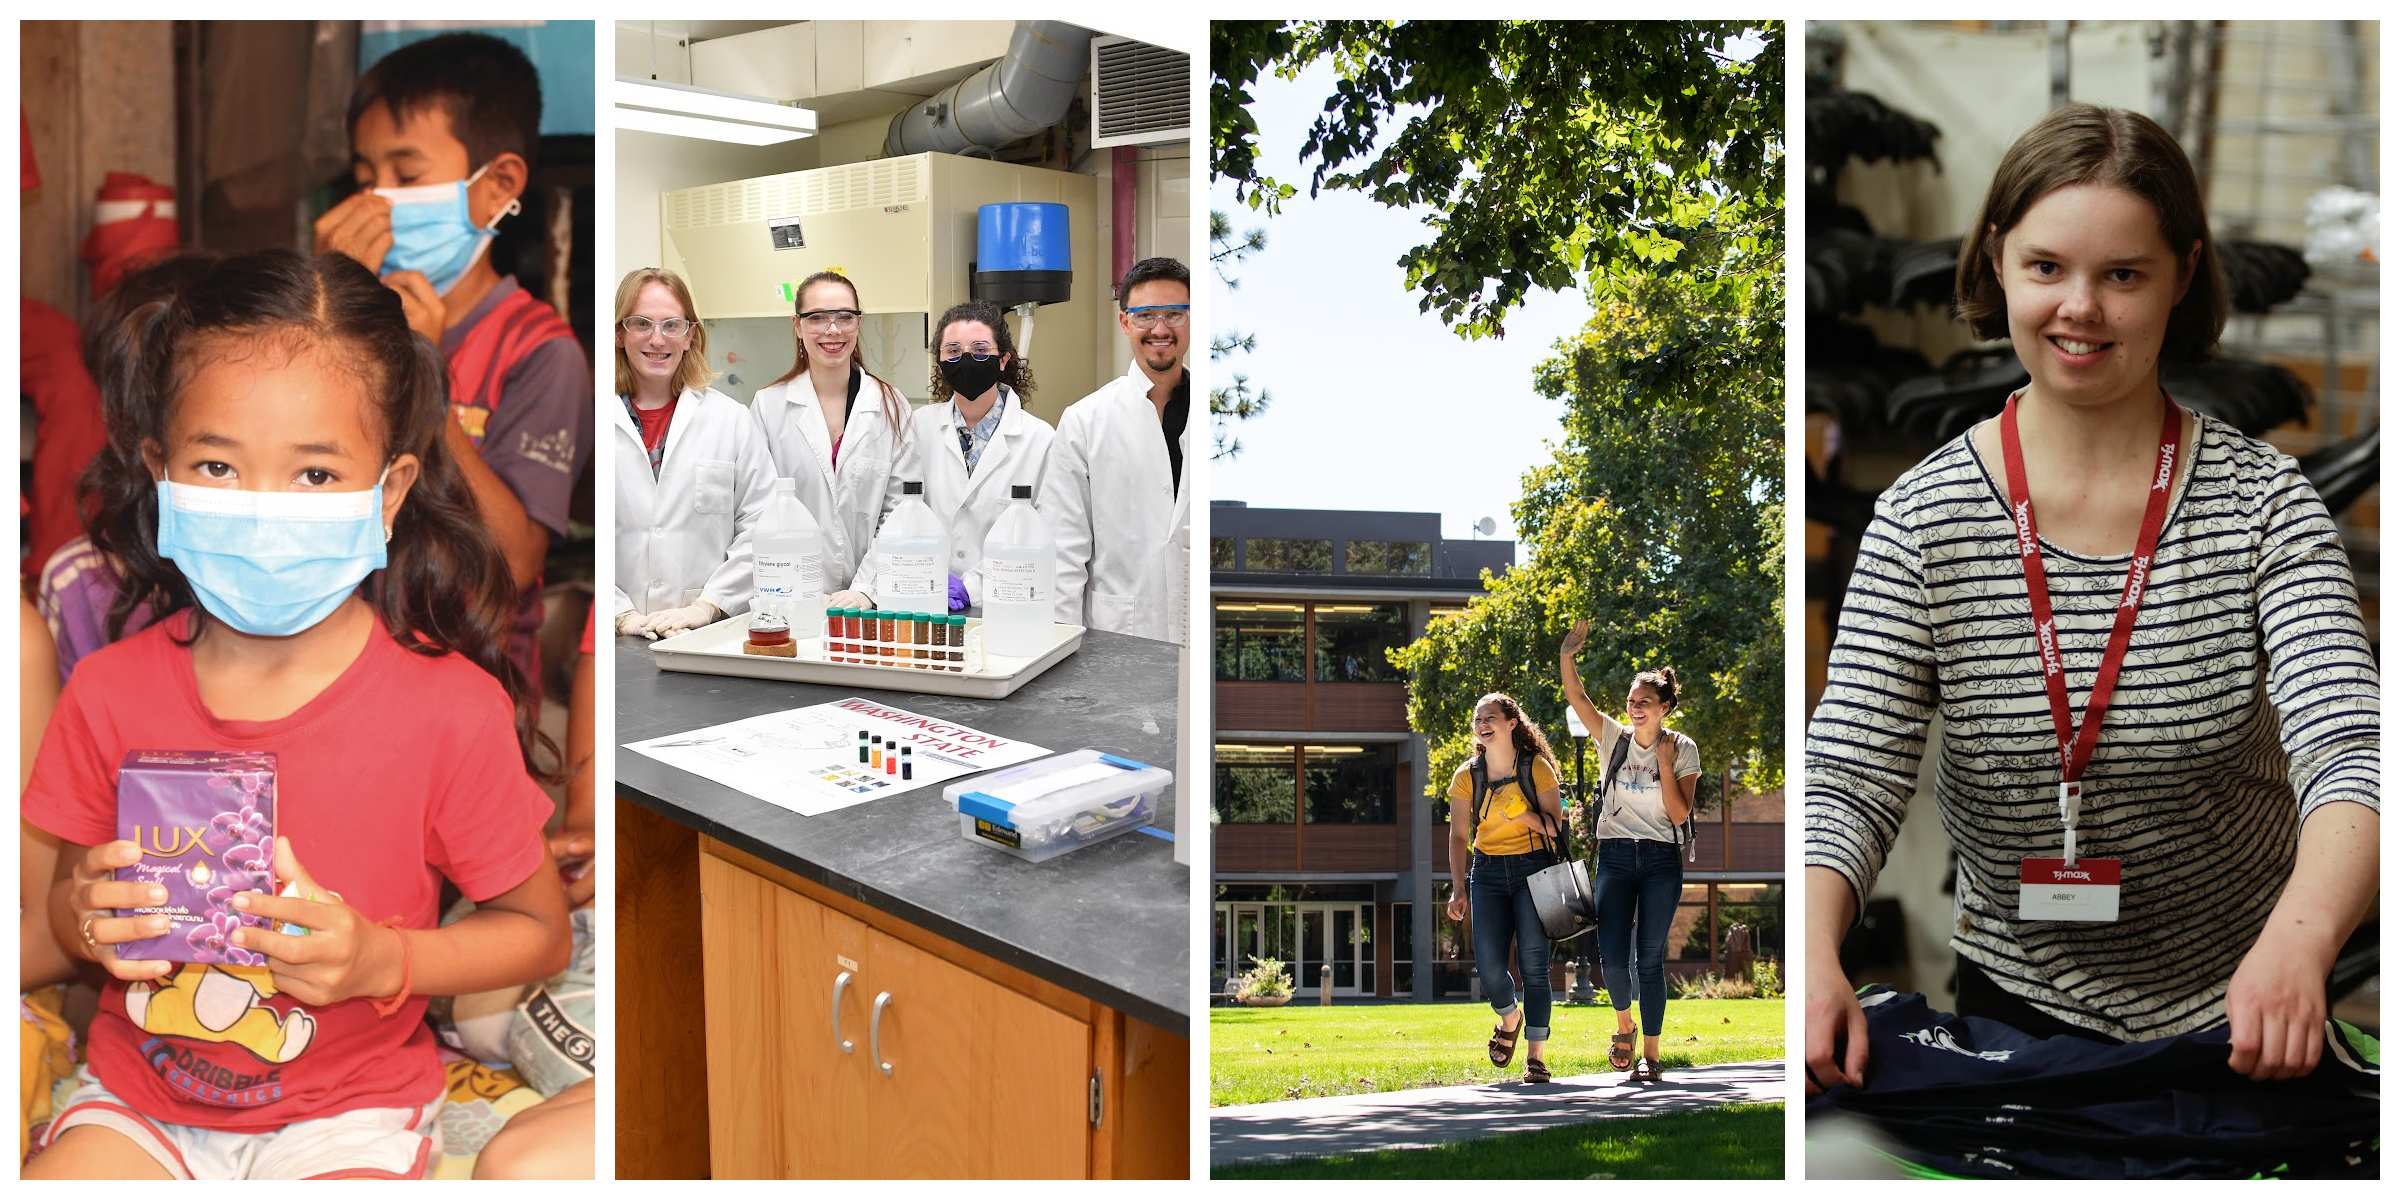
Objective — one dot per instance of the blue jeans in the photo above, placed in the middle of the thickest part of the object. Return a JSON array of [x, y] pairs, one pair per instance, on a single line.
[[1636, 885], [1500, 907]]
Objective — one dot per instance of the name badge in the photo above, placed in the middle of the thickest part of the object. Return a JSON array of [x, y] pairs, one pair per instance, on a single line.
[[2050, 890]]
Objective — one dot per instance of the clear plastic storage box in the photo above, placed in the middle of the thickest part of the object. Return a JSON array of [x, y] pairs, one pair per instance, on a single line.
[[1040, 810]]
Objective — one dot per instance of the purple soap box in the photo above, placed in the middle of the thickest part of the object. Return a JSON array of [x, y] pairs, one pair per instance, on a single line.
[[205, 822]]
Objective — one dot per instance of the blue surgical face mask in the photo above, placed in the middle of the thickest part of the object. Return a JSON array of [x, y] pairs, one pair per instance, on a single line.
[[271, 563], [433, 232]]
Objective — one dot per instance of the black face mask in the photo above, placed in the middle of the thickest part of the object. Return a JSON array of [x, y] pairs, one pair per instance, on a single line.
[[969, 378]]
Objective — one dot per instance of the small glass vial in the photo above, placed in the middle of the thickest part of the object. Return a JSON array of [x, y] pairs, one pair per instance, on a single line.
[[886, 632], [955, 643]]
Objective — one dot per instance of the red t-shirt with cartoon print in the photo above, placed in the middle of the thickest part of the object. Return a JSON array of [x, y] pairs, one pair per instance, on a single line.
[[403, 772]]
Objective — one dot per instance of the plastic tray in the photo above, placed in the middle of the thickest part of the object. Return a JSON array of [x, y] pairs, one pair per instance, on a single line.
[[1040, 810], [717, 650]]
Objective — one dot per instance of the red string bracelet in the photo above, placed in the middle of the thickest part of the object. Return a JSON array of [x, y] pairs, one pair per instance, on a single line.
[[386, 1007]]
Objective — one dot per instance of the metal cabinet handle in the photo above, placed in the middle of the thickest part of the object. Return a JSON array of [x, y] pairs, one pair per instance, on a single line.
[[883, 1000], [841, 983]]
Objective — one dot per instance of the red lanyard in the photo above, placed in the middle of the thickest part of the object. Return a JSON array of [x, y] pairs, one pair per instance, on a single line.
[[2075, 745]]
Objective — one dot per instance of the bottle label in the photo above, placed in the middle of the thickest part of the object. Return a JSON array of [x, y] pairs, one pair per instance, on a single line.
[[785, 576], [1011, 581], [911, 575]]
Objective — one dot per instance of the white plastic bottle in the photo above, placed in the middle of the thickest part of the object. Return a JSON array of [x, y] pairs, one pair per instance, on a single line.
[[1020, 579], [788, 553], [915, 551]]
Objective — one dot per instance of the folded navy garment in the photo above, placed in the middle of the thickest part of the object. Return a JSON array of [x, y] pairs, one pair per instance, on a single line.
[[1975, 1097]]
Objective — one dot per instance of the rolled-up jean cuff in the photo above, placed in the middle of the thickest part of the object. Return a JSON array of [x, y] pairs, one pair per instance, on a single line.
[[1498, 1011], [1537, 1033]]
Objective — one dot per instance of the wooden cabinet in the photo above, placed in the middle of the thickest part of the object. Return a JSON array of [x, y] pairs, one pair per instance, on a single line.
[[844, 1043]]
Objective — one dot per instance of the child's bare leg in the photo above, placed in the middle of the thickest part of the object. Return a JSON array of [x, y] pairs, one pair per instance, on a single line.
[[94, 1152], [551, 1140]]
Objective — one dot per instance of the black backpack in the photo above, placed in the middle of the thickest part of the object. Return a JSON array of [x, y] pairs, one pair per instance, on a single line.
[[1524, 779]]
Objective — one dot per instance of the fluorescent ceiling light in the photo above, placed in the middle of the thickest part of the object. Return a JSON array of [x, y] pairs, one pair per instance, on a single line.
[[783, 121], [678, 125]]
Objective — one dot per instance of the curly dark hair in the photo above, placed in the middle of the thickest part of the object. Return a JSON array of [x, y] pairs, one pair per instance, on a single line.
[[1018, 375], [446, 587]]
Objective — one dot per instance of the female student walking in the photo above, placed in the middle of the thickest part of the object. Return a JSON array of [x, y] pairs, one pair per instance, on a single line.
[[1504, 821], [1637, 875]]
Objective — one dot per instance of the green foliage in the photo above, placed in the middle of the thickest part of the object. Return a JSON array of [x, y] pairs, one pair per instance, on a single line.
[[1659, 516], [1542, 152], [1712, 986], [1641, 162], [1265, 978], [1767, 976]]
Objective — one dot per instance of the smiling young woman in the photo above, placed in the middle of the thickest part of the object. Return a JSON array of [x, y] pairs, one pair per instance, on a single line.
[[2100, 590]]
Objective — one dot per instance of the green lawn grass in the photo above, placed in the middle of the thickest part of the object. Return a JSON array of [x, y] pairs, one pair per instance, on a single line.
[[1736, 1141], [1302, 1050]]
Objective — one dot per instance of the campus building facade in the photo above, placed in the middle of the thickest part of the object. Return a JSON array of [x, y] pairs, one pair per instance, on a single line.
[[1329, 855]]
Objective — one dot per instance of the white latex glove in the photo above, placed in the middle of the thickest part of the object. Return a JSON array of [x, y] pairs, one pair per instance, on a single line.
[[632, 621], [850, 598], [672, 621]]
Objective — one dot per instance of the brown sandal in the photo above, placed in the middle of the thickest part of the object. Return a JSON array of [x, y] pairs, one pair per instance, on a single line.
[[1503, 1046], [1536, 1071], [1648, 1071], [1620, 1051]]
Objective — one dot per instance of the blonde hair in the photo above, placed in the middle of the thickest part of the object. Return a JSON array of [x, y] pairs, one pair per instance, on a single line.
[[691, 372]]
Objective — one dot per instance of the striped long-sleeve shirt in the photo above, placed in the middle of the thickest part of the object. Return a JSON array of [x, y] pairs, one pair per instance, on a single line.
[[2247, 701]]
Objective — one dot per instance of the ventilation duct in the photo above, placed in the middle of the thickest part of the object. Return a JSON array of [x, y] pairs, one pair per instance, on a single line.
[[1025, 92]]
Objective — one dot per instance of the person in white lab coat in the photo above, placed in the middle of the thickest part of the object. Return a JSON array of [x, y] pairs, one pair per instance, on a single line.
[[1114, 487], [838, 452], [970, 449], [692, 473]]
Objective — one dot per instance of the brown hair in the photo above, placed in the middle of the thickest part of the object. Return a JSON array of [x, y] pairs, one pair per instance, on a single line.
[[895, 409], [445, 587], [2112, 147], [692, 370], [1660, 680], [1527, 737]]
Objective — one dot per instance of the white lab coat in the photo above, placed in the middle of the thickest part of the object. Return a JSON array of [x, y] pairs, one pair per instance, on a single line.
[[969, 505], [684, 535], [848, 500], [1122, 525]]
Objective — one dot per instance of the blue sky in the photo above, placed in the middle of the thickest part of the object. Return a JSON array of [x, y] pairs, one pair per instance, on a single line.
[[1376, 406]]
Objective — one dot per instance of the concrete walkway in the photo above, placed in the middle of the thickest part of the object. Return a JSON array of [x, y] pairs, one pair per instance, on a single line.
[[1422, 1117]]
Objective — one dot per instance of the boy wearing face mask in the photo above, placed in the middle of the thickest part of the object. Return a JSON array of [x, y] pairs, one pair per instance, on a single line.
[[442, 132]]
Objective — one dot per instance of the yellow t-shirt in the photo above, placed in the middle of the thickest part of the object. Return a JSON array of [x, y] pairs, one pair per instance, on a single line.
[[1500, 833]]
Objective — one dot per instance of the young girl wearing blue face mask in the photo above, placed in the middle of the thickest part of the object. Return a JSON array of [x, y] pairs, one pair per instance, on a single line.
[[277, 490]]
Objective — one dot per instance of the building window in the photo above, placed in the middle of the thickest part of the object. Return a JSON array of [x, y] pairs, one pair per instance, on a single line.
[[1256, 785], [1350, 785], [1258, 642], [1220, 554], [1290, 556], [1387, 558], [1352, 640], [1404, 948]]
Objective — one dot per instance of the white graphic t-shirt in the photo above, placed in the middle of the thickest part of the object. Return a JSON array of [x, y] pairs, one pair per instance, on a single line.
[[1633, 807]]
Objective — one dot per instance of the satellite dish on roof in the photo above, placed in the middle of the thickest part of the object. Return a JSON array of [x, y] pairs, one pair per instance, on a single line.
[[1484, 527]]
